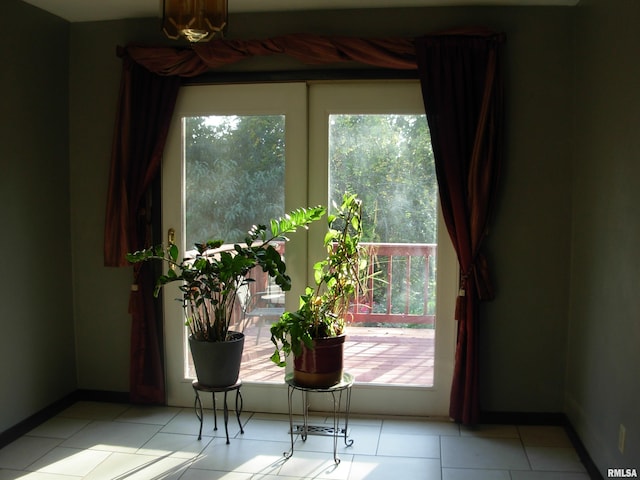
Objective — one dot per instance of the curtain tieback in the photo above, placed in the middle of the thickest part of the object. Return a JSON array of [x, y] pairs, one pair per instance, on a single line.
[[462, 286], [461, 300], [483, 286]]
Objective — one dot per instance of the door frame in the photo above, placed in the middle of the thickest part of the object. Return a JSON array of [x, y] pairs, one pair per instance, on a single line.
[[277, 98]]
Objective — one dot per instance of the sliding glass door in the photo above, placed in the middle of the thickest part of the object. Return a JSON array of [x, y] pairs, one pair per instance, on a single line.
[[241, 154]]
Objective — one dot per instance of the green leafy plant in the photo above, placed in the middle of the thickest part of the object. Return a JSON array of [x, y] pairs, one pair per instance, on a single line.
[[323, 309], [210, 280]]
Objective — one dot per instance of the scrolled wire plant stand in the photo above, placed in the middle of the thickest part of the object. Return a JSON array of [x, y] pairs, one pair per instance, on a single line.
[[335, 431]]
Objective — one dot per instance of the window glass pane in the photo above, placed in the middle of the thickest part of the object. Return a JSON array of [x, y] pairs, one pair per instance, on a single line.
[[234, 177], [388, 161], [234, 174]]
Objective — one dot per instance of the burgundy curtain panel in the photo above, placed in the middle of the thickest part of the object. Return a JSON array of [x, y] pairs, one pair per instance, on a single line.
[[144, 113], [150, 82], [463, 96]]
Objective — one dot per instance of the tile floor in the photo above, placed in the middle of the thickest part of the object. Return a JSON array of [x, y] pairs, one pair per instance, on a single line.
[[92, 440]]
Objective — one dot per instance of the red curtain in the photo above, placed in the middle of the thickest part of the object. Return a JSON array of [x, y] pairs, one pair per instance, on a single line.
[[397, 53], [144, 114], [463, 96], [146, 104]]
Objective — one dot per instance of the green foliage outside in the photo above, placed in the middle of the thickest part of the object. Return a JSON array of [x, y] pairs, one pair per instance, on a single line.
[[235, 174], [388, 161]]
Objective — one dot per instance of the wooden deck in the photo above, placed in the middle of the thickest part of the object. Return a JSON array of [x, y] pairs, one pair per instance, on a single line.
[[400, 356], [376, 355]]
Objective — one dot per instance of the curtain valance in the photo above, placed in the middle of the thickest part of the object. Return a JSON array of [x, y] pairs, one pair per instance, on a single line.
[[396, 53]]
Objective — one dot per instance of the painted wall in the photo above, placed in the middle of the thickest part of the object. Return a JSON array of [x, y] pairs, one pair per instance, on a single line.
[[524, 339], [523, 331], [567, 208], [37, 355], [101, 293], [603, 385]]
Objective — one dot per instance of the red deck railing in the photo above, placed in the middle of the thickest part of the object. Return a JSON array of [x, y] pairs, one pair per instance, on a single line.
[[401, 277], [400, 285]]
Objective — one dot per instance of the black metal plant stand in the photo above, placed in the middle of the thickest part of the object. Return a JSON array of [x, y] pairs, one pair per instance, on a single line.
[[197, 387]]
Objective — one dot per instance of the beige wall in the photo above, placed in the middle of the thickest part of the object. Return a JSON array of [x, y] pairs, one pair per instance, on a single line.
[[603, 385], [524, 336], [101, 294], [523, 332], [569, 168], [37, 358]]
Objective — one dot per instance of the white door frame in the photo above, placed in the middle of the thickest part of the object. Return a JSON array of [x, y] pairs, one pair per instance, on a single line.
[[305, 184]]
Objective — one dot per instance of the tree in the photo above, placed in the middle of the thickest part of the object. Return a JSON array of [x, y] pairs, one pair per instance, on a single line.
[[235, 173], [388, 161], [232, 166]]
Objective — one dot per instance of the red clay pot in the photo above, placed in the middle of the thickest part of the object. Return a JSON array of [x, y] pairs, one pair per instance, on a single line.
[[321, 366]]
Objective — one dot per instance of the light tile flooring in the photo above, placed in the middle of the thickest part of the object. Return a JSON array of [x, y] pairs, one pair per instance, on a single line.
[[114, 441]]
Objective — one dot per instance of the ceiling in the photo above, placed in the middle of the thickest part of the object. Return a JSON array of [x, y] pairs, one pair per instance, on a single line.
[[92, 10]]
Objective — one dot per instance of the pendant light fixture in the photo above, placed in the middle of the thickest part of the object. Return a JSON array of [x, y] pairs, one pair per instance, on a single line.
[[195, 20]]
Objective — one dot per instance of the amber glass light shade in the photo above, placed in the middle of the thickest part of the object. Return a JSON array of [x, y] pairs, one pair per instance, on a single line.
[[195, 20]]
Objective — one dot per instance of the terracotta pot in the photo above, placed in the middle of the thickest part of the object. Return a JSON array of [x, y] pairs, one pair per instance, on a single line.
[[217, 364], [321, 366]]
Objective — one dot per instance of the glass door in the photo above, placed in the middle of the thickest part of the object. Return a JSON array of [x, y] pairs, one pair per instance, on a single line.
[[240, 154], [235, 156], [372, 139]]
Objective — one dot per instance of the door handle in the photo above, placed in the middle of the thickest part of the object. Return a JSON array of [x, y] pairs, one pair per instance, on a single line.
[[171, 240]]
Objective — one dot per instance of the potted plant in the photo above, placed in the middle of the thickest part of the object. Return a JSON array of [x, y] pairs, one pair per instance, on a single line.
[[315, 332], [210, 282]]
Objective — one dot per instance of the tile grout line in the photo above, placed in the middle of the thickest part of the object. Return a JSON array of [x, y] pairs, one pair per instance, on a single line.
[[524, 449]]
